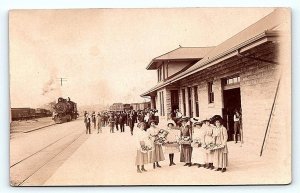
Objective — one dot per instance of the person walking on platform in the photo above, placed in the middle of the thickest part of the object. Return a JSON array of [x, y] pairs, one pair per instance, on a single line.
[[87, 122], [94, 119], [117, 122], [131, 122], [99, 123], [111, 123], [122, 122]]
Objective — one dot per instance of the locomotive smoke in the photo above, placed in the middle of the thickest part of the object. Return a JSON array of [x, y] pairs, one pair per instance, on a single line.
[[48, 86]]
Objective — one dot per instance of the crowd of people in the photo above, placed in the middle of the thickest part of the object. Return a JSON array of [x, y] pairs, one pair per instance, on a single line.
[[200, 144], [117, 120]]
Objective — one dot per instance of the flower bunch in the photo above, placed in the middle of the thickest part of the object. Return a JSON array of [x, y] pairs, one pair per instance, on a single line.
[[161, 137], [145, 148], [212, 146], [196, 143], [185, 140]]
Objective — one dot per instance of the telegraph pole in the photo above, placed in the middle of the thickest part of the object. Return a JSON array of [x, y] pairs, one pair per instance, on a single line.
[[62, 80]]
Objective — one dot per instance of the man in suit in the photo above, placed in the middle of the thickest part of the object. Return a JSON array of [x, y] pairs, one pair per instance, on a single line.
[[131, 122], [122, 122], [94, 119], [111, 123], [99, 123], [116, 117], [87, 121]]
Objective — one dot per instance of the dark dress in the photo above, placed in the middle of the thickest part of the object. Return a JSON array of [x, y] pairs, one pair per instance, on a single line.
[[186, 149]]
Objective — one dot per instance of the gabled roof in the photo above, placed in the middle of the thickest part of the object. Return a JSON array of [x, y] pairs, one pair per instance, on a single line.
[[265, 27], [181, 53]]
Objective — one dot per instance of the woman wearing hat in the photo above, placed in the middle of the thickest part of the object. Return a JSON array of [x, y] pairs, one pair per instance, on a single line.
[[208, 139], [199, 154], [220, 155], [171, 145], [156, 154], [186, 149], [142, 139]]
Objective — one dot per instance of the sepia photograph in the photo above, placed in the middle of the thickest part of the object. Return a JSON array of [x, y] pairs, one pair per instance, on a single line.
[[150, 96]]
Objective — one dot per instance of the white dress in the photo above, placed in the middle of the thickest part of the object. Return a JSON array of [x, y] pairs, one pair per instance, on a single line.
[[199, 153], [173, 136], [208, 138], [156, 154], [141, 137]]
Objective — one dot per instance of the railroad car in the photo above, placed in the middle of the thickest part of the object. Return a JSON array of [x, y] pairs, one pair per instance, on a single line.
[[22, 113]]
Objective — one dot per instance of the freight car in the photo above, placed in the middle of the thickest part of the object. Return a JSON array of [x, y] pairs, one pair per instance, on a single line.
[[22, 113], [65, 110], [42, 113]]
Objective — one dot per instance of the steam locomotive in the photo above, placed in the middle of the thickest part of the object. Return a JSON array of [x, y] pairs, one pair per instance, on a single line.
[[65, 110]]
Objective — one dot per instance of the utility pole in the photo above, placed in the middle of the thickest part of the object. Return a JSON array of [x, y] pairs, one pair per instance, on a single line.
[[61, 80]]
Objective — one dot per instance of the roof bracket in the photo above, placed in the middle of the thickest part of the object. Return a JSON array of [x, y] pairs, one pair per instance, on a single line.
[[255, 58]]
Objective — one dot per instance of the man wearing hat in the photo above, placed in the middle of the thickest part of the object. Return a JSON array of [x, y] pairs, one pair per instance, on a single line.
[[99, 123], [131, 123], [186, 149], [178, 116]]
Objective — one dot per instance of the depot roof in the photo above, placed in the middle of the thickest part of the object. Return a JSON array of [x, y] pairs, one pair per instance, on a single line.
[[255, 34]]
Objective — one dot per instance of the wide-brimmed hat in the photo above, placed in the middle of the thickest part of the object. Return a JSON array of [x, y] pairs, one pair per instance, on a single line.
[[152, 121], [194, 119], [216, 118], [141, 124], [171, 122], [198, 123], [184, 119]]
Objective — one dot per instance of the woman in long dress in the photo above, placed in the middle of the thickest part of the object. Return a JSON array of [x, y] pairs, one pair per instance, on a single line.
[[172, 146], [208, 139], [156, 154], [186, 149], [199, 154], [220, 155], [142, 140]]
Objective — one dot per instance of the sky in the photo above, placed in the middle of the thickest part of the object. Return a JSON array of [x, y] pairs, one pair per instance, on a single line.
[[103, 53]]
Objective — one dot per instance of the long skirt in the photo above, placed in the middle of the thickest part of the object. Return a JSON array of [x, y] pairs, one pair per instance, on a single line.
[[141, 158], [171, 149], [199, 155], [209, 156], [220, 158], [186, 153], [156, 154]]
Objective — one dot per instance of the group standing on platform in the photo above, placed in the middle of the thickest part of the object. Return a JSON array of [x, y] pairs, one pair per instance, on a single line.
[[199, 143], [202, 144]]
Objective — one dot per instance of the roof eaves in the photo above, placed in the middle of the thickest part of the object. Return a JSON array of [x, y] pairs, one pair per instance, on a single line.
[[202, 65]]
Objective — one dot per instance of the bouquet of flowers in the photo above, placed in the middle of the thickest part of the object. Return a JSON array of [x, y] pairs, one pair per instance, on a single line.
[[145, 147], [185, 140], [212, 146], [161, 137], [196, 143]]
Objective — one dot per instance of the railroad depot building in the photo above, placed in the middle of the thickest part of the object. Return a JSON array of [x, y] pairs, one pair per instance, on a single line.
[[248, 71]]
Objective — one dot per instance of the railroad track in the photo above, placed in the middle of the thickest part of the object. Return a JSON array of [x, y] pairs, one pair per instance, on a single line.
[[24, 169]]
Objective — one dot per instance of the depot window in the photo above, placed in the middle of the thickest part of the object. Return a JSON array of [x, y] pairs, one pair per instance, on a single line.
[[210, 92], [233, 80]]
